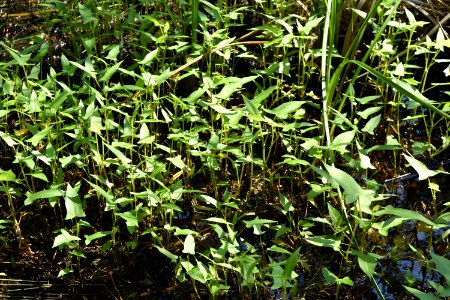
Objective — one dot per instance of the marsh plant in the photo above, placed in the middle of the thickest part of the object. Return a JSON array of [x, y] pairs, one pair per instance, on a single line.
[[251, 145]]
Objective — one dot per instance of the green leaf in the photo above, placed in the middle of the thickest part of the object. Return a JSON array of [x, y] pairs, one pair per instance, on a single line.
[[421, 169], [149, 57], [168, 254], [256, 224], [107, 195], [130, 218], [64, 272], [88, 69], [112, 54], [197, 274], [218, 220], [369, 111], [232, 84], [290, 265], [419, 294], [41, 157], [39, 175], [310, 25], [325, 242], [110, 72], [341, 142], [383, 227], [7, 139], [178, 162], [86, 14], [366, 262], [97, 235], [209, 200], [403, 213], [45, 194], [371, 125], [287, 206], [64, 238], [282, 111], [263, 95], [7, 175], [442, 266], [74, 207], [353, 190], [330, 278], [402, 87], [278, 249], [35, 139], [257, 221], [125, 160], [19, 58], [335, 216], [189, 245]]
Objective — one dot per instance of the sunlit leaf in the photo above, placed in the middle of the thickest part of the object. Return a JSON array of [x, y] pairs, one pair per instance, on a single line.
[[420, 168], [89, 238], [45, 194], [112, 54], [330, 278], [403, 213], [130, 218], [74, 207], [35, 139], [366, 262], [107, 195], [383, 227], [369, 111], [168, 254], [284, 110], [64, 272], [7, 139], [353, 190], [125, 160], [341, 141], [149, 57], [178, 162], [88, 68], [18, 58], [421, 295], [7, 175], [86, 14], [335, 244], [209, 200], [110, 72], [372, 124], [64, 238], [189, 245]]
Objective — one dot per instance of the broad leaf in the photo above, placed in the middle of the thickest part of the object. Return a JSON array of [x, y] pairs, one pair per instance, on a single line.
[[403, 213], [7, 176], [189, 245], [97, 235], [420, 168], [46, 194], [74, 207], [421, 295], [353, 190], [325, 242]]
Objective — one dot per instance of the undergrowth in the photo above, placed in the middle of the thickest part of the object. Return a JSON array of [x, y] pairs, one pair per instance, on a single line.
[[248, 144]]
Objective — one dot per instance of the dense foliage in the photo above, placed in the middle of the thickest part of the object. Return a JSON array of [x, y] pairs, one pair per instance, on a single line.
[[246, 149]]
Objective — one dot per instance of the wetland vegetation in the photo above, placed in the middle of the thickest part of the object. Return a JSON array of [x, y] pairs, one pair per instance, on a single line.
[[240, 149]]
